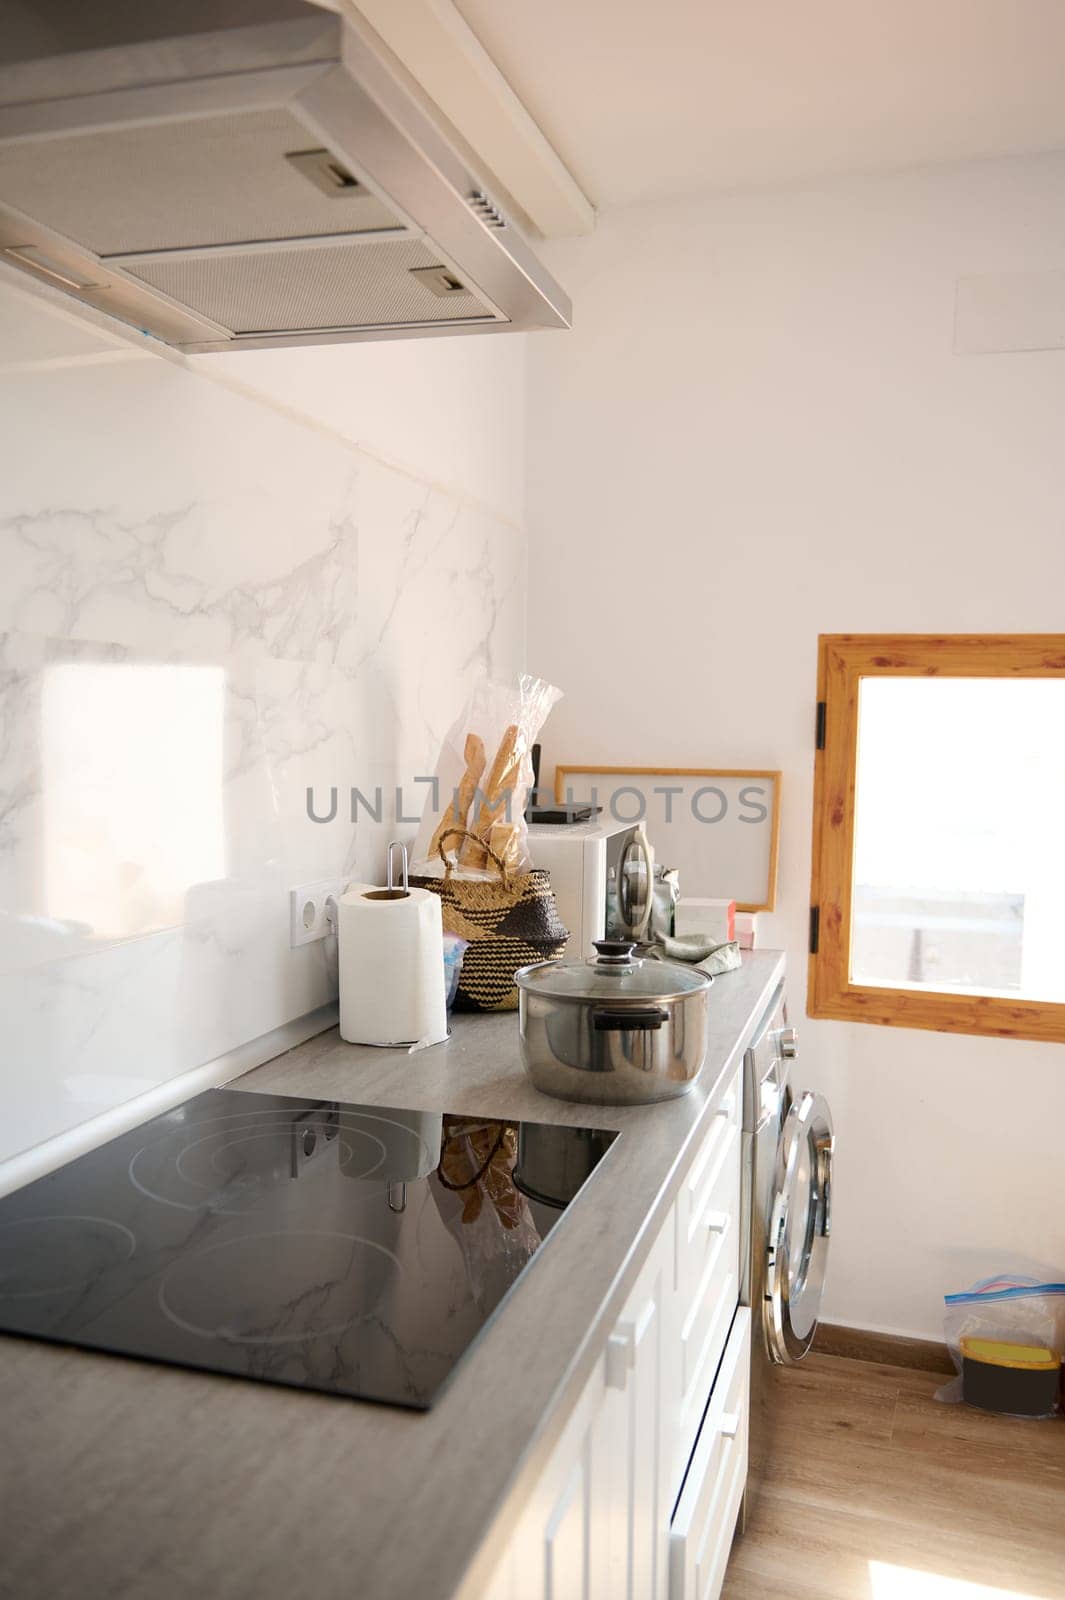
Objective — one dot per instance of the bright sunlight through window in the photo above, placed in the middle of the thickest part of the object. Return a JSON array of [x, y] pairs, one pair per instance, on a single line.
[[959, 852]]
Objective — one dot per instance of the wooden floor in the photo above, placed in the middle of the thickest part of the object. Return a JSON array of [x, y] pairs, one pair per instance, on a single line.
[[876, 1491]]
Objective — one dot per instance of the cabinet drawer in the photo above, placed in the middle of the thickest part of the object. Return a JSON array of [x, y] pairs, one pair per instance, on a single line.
[[705, 1519], [706, 1310], [704, 1332], [712, 1186]]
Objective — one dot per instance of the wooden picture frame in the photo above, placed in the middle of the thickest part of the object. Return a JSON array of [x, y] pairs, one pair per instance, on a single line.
[[705, 860], [843, 661]]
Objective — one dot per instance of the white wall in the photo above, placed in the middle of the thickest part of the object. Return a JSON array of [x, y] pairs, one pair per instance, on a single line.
[[449, 410], [758, 432], [206, 606]]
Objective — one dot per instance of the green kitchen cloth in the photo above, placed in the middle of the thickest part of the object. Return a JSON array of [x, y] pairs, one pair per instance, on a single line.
[[694, 949]]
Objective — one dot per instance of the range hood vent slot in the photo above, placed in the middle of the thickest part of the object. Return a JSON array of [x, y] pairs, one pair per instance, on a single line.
[[488, 212]]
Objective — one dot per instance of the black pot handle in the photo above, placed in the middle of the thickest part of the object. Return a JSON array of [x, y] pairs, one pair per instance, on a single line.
[[633, 1021]]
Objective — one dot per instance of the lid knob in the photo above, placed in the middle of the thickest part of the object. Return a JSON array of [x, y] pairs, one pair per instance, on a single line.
[[615, 953]]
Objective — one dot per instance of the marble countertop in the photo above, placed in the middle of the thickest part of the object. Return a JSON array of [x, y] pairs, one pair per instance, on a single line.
[[144, 1482]]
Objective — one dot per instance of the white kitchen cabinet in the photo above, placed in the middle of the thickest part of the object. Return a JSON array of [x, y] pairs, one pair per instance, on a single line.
[[561, 1547], [701, 1534], [597, 1525], [706, 1221], [639, 1371]]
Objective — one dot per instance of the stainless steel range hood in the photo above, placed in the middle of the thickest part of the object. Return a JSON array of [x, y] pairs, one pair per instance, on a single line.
[[225, 183]]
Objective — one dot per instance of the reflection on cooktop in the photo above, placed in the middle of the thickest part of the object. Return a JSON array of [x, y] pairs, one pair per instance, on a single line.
[[357, 1250]]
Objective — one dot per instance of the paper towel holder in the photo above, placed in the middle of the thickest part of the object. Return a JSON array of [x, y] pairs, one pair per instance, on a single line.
[[390, 892]]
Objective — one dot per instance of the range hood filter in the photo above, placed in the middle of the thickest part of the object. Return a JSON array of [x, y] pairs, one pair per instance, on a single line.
[[319, 287], [208, 181]]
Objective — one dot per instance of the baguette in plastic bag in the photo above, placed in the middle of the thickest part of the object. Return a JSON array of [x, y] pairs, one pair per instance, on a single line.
[[483, 777]]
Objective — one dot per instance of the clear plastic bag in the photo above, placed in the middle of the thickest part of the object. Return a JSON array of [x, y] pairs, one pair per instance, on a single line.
[[454, 950], [664, 902], [483, 777], [480, 1205], [1009, 1309]]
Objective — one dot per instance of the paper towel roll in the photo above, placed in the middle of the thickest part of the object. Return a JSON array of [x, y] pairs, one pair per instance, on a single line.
[[391, 959]]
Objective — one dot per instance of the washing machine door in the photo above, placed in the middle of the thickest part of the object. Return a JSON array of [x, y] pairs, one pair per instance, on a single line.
[[800, 1221]]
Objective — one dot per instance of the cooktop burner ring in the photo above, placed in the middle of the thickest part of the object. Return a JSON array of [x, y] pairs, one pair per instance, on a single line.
[[242, 1127], [196, 1193], [106, 1228], [216, 1293], [215, 1159]]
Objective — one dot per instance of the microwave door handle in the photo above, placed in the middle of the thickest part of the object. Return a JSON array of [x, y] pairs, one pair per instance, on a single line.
[[643, 846], [648, 860], [638, 850], [624, 892]]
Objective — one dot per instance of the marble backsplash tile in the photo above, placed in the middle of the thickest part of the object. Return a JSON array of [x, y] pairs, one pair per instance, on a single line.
[[206, 608]]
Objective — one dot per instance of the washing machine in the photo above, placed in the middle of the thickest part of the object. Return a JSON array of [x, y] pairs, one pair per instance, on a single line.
[[788, 1145]]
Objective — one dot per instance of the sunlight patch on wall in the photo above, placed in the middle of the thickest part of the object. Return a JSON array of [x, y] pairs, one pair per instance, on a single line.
[[133, 805]]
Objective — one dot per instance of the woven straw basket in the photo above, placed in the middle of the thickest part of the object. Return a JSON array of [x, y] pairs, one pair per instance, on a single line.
[[510, 922]]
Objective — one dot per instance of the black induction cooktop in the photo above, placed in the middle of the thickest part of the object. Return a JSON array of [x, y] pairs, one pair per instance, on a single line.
[[356, 1250]]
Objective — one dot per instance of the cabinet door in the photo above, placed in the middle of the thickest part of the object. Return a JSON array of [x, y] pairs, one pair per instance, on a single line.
[[710, 1501], [637, 1366], [567, 1535], [706, 1275], [561, 1549], [597, 1525]]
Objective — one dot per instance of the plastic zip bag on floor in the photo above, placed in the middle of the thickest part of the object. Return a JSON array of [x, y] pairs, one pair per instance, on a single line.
[[1011, 1311]]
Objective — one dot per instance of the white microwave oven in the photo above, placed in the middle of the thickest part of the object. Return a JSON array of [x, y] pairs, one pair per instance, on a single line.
[[590, 864]]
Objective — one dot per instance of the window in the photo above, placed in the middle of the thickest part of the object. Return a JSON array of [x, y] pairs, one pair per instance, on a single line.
[[938, 896]]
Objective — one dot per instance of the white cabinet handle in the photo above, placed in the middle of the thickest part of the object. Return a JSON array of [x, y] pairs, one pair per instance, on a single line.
[[620, 1355], [729, 1426], [623, 1344], [717, 1221]]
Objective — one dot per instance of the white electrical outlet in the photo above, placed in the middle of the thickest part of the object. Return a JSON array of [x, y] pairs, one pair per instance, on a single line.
[[307, 910]]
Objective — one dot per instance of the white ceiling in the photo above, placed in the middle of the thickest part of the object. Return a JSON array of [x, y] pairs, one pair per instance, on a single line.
[[678, 96]]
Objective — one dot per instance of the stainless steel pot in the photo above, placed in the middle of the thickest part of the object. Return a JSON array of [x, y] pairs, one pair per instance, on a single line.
[[614, 1031]]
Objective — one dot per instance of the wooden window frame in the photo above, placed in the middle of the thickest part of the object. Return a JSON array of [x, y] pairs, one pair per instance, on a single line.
[[843, 660]]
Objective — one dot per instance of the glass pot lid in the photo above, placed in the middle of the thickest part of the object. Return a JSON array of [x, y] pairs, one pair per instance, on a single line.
[[616, 974]]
